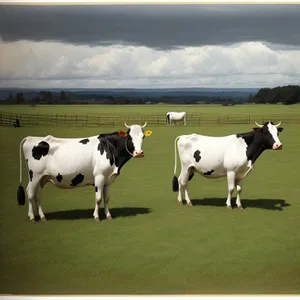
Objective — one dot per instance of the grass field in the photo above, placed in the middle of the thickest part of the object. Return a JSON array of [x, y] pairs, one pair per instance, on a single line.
[[154, 246]]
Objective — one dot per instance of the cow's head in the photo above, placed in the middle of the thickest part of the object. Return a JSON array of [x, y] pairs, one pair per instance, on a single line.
[[134, 139], [269, 135]]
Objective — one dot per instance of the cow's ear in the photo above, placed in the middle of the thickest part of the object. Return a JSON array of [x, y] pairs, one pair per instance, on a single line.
[[279, 129], [122, 133], [256, 129], [148, 132]]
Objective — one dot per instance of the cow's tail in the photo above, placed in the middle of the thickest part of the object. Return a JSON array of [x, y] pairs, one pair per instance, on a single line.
[[168, 119], [175, 184], [21, 192]]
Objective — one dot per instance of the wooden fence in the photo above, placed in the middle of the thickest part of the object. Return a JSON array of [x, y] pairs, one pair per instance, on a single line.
[[118, 119]]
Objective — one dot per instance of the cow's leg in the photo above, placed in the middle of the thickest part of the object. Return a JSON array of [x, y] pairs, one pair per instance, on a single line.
[[31, 191], [99, 184], [231, 187], [238, 184], [183, 185], [38, 203], [106, 197]]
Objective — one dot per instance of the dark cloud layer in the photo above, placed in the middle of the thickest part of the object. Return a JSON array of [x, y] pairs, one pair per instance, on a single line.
[[157, 26]]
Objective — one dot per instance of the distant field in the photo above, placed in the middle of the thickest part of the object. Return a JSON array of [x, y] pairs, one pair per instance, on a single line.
[[204, 109], [154, 246]]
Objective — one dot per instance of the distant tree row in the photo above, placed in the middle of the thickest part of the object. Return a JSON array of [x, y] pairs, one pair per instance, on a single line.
[[45, 97], [286, 94], [289, 94]]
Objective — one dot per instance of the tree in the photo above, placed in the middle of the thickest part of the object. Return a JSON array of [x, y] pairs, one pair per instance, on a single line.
[[10, 99], [20, 98]]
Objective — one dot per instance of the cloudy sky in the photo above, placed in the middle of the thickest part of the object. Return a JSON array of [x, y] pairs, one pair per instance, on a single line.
[[138, 46]]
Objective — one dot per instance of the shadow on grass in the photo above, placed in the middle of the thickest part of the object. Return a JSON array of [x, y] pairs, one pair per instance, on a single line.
[[270, 204], [77, 214]]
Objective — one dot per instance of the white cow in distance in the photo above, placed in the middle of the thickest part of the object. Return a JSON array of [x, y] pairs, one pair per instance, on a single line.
[[176, 117]]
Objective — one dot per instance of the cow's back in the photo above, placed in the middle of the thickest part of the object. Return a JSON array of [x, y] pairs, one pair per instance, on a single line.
[[64, 160], [207, 153]]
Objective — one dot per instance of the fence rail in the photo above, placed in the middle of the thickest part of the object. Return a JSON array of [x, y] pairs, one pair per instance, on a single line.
[[118, 119]]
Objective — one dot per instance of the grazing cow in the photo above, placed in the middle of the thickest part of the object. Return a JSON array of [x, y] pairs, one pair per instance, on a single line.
[[75, 162], [213, 157], [176, 117]]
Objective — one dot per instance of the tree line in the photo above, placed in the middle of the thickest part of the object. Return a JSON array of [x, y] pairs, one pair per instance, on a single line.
[[286, 94], [289, 94]]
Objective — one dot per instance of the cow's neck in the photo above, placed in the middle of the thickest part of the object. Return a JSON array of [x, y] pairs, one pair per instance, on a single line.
[[124, 153], [255, 147], [115, 145]]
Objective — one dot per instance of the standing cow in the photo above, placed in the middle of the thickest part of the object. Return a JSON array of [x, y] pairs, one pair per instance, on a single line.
[[213, 157], [75, 162], [176, 117]]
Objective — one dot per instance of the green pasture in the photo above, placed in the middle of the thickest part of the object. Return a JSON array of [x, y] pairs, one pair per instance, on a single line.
[[153, 245]]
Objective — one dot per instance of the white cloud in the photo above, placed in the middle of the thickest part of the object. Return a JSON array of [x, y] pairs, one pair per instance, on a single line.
[[53, 64]]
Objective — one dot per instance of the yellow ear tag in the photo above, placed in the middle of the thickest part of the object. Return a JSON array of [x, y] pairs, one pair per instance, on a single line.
[[148, 132], [122, 133]]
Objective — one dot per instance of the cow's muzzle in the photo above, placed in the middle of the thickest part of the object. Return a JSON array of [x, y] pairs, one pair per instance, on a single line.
[[277, 146], [138, 153]]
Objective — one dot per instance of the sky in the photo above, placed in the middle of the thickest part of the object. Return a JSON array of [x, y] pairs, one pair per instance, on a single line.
[[149, 46]]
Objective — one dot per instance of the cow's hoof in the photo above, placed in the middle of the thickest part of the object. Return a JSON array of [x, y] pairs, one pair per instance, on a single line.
[[32, 221], [190, 204], [179, 203], [97, 219], [229, 207], [241, 207], [110, 218], [44, 220]]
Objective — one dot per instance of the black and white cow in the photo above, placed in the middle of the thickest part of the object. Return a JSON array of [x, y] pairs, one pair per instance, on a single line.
[[213, 157], [176, 117], [75, 162]]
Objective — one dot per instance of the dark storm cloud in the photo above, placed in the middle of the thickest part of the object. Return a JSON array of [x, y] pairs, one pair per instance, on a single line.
[[157, 26]]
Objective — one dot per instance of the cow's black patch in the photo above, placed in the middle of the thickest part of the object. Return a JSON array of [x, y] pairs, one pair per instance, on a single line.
[[107, 144], [30, 175], [40, 150], [209, 172], [117, 148], [197, 155], [93, 184], [84, 141], [78, 179], [59, 177], [96, 189]]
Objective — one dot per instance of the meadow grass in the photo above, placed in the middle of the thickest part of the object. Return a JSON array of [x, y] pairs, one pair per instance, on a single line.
[[154, 246]]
